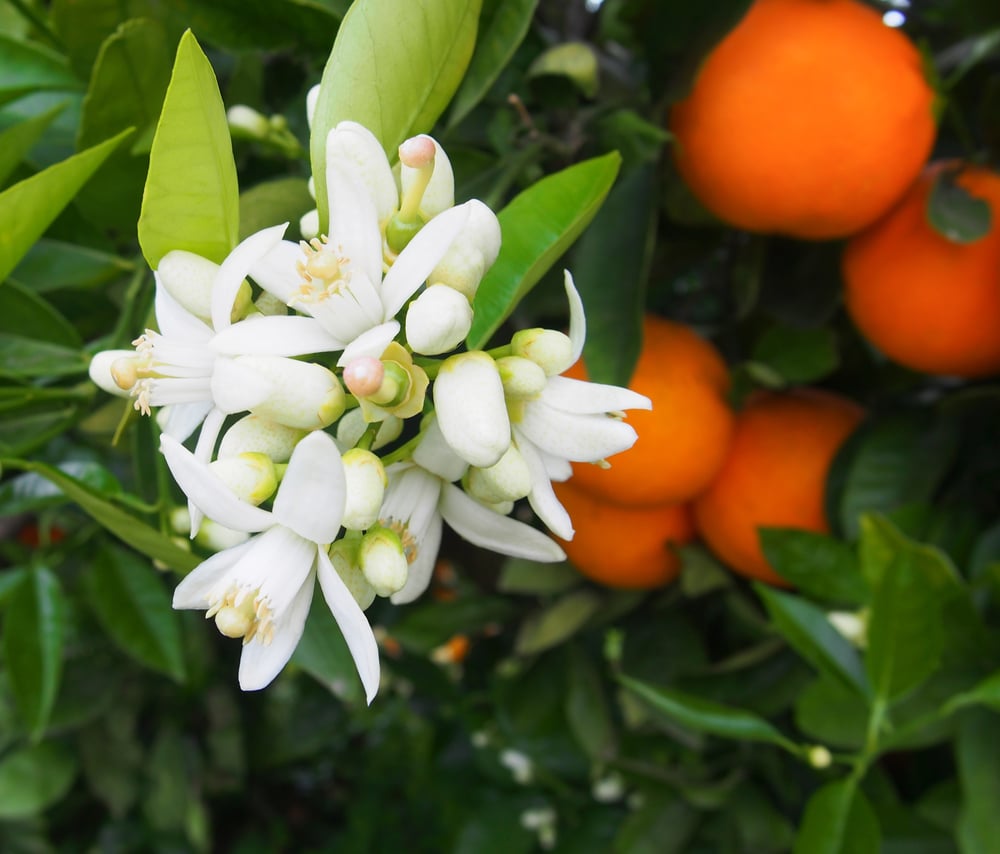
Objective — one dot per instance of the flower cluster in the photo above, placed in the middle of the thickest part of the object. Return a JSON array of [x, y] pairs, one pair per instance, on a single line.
[[296, 363]]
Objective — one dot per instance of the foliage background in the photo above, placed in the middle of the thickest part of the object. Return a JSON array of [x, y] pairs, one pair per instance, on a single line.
[[679, 720]]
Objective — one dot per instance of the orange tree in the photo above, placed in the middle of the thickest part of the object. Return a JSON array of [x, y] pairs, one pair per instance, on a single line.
[[526, 706]]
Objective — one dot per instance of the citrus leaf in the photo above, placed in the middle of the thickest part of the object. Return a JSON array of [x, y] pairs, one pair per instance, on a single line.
[[979, 774], [34, 778], [557, 622], [587, 710], [538, 226], [52, 264], [986, 693], [281, 200], [954, 213], [393, 68], [816, 564], [191, 198], [838, 820], [29, 67], [16, 141], [796, 355]]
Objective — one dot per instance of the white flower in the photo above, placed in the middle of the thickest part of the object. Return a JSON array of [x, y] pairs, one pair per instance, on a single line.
[[261, 590], [420, 498]]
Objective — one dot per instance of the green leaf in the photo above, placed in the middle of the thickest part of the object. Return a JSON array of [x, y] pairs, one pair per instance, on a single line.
[[429, 624], [52, 265], [27, 208], [664, 824], [575, 61], [810, 634], [538, 226], [703, 715], [124, 525], [129, 599], [587, 710], [34, 423], [832, 714], [23, 313], [23, 358], [323, 654], [838, 820], [520, 575], [282, 200], [28, 67], [556, 623], [10, 581], [34, 778], [954, 213], [128, 82], [30, 492], [499, 37], [979, 773], [617, 248], [16, 141], [819, 565], [796, 355], [393, 69], [191, 200], [33, 641], [986, 693]]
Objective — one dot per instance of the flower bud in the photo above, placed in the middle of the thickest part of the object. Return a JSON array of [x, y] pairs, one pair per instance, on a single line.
[[471, 410], [250, 476], [246, 123], [471, 254], [366, 483], [383, 561], [215, 537], [363, 376], [352, 426], [521, 377], [261, 435], [507, 480], [270, 305], [437, 321], [309, 225], [189, 279], [853, 626], [404, 386], [107, 368], [819, 757], [552, 351], [344, 557]]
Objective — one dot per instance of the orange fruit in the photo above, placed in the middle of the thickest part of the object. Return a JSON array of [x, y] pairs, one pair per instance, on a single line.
[[624, 547], [925, 301], [775, 474], [810, 119], [683, 440]]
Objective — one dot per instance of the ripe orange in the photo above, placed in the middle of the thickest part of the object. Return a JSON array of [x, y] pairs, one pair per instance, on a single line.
[[810, 119], [624, 547], [683, 440], [775, 474], [926, 302]]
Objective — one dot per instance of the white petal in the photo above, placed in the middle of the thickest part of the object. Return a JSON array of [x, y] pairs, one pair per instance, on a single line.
[[420, 256], [209, 493], [542, 498], [354, 225], [176, 321], [482, 527], [371, 343], [312, 97], [435, 454], [275, 336], [237, 387], [580, 396], [180, 420], [275, 272], [583, 438], [195, 587], [260, 663], [311, 497], [353, 625], [422, 568], [235, 269], [203, 454], [356, 148], [471, 409], [577, 317]]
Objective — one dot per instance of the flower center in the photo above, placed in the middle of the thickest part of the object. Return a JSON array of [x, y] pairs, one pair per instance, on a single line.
[[322, 270], [402, 530], [242, 613]]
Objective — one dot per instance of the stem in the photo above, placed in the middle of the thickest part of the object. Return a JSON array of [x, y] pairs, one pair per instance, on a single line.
[[871, 748], [368, 437], [403, 452]]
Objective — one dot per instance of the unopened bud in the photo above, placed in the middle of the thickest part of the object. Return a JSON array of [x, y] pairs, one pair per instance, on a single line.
[[250, 476], [471, 253], [189, 279], [521, 377], [366, 483], [252, 433], [552, 351], [819, 757], [217, 538], [438, 321], [471, 410], [853, 626], [344, 557], [383, 561], [363, 376], [507, 480], [247, 123]]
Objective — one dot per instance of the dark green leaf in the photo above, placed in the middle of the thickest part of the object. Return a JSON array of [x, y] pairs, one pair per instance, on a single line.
[[16, 141], [23, 313], [323, 654], [499, 37], [27, 208], [838, 820], [809, 632], [708, 716], [393, 69], [979, 773], [796, 355], [34, 423], [587, 707], [527, 576], [816, 564], [955, 213], [428, 625], [33, 640], [832, 714], [282, 200], [34, 778], [129, 598], [191, 200], [10, 581], [538, 226], [29, 67], [611, 268], [986, 693], [51, 265], [559, 621], [22, 358], [663, 825]]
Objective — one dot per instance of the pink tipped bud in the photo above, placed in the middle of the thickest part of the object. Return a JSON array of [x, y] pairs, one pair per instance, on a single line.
[[417, 152], [363, 376]]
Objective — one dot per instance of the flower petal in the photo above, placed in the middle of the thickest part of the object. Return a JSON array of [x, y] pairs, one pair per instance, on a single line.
[[311, 497], [371, 343], [355, 148], [276, 273], [583, 438], [235, 269], [577, 317], [180, 420], [353, 624], [584, 397], [483, 527], [210, 494], [203, 453], [275, 336], [542, 498], [422, 568], [435, 454], [176, 321], [193, 590], [260, 663], [354, 226], [237, 387]]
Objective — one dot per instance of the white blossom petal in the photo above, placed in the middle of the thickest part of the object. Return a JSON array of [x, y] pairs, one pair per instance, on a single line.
[[235, 269], [276, 336], [238, 387], [577, 317], [311, 497], [584, 397], [435, 454], [276, 273], [542, 498], [354, 226], [355, 147], [210, 430], [176, 321], [371, 343], [260, 663], [180, 420], [583, 438], [422, 568], [194, 589]]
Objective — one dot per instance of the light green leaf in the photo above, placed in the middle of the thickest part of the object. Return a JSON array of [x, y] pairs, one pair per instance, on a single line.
[[129, 598], [538, 226], [16, 141], [124, 525], [708, 716], [34, 778], [191, 199], [393, 68], [556, 623], [819, 565], [51, 265], [838, 820], [33, 640], [499, 37], [27, 208], [29, 67], [576, 61], [978, 763], [128, 82]]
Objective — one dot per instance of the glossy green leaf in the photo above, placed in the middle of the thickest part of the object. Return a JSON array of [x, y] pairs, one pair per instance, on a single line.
[[33, 641], [664, 824], [30, 492], [538, 226], [986, 693], [559, 621], [838, 820], [10, 581], [500, 34], [429, 624], [83, 25], [33, 778], [810, 634], [703, 715], [128, 83], [191, 200], [617, 248], [30, 67], [132, 603], [24, 313], [51, 265], [796, 355], [23, 358], [281, 200], [978, 763], [830, 713], [323, 654], [394, 67], [955, 213], [16, 141], [587, 709], [817, 564], [27, 208], [34, 423], [124, 525]]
